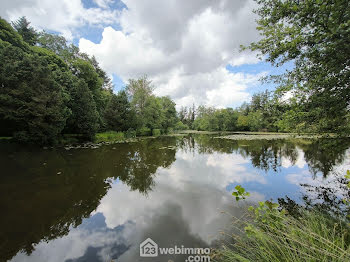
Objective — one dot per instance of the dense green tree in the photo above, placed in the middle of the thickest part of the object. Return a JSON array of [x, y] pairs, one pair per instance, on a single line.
[[28, 33], [85, 71], [119, 115], [9, 36], [44, 85], [315, 36], [32, 101], [256, 121], [139, 90], [84, 118], [169, 115], [55, 43], [243, 122], [152, 114], [107, 81]]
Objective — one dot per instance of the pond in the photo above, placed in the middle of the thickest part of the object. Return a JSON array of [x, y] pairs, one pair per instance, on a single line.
[[99, 204]]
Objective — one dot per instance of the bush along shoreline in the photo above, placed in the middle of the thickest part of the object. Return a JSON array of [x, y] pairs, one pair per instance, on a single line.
[[273, 232]]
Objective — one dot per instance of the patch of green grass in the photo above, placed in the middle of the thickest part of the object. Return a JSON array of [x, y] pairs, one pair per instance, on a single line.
[[109, 136], [313, 236], [5, 137]]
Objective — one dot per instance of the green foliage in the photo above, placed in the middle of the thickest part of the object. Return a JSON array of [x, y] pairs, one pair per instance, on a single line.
[[347, 201], [54, 43], [110, 136], [267, 212], [263, 113], [139, 90], [271, 234], [119, 115], [314, 236], [33, 102], [49, 89], [243, 122], [152, 113], [27, 32], [240, 193], [314, 35], [130, 133], [255, 121], [144, 131], [10, 36], [187, 115], [156, 132], [181, 126], [84, 118], [169, 117], [347, 176]]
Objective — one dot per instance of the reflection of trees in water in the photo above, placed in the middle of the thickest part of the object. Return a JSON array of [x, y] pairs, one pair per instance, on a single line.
[[264, 154], [327, 197], [44, 193], [139, 167], [321, 155], [267, 155], [187, 144], [37, 204]]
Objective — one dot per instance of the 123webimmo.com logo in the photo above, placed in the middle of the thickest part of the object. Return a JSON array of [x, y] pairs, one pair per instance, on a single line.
[[149, 248]]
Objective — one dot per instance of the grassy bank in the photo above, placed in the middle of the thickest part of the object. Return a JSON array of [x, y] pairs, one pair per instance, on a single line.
[[113, 136], [291, 232], [313, 236]]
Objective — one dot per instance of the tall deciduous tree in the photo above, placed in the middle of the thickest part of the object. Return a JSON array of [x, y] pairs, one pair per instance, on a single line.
[[315, 35], [139, 90], [119, 115], [84, 118]]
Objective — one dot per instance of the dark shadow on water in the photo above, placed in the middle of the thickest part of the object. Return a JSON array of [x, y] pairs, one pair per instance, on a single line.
[[45, 192]]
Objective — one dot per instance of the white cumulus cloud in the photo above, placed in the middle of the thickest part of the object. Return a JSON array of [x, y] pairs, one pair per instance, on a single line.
[[64, 16], [184, 47]]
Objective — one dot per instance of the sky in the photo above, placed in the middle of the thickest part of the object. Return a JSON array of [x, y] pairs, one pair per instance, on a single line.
[[189, 49]]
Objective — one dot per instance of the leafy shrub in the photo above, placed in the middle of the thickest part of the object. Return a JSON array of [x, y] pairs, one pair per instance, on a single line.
[[181, 126], [131, 133], [21, 136], [156, 132], [170, 130], [144, 131]]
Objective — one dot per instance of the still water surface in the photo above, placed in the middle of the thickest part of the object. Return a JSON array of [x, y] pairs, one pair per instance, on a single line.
[[100, 204]]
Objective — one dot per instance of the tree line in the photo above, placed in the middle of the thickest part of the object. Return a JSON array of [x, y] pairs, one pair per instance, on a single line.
[[312, 35], [265, 112], [49, 88]]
